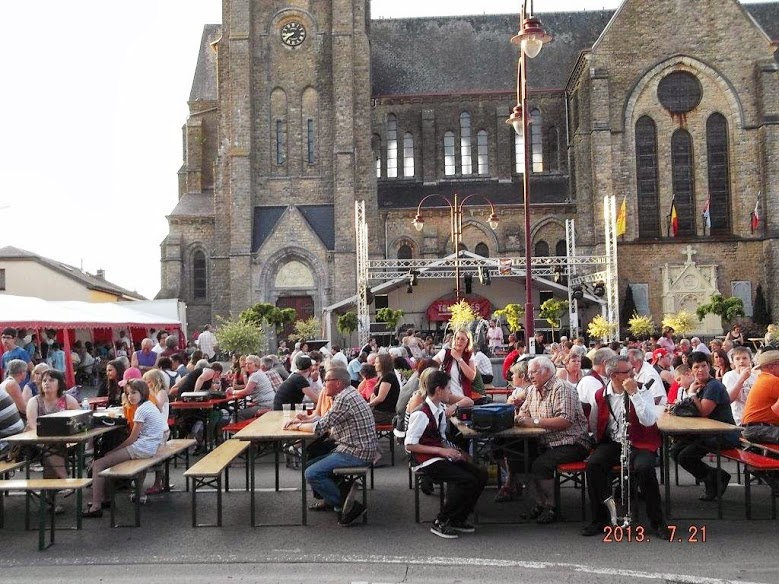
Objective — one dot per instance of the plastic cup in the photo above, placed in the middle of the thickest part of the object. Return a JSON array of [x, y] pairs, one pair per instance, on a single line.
[[309, 408], [299, 408]]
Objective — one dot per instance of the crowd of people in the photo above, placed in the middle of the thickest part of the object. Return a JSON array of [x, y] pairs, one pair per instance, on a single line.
[[581, 396]]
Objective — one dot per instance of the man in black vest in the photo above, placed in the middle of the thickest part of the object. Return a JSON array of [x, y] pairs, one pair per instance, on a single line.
[[442, 461]]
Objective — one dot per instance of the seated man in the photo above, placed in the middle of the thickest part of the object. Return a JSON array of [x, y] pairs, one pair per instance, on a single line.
[[442, 461], [608, 408], [258, 388], [553, 405], [350, 423], [761, 412]]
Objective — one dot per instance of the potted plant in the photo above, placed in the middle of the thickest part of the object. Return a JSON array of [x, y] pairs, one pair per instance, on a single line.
[[728, 309], [512, 314], [601, 328], [391, 318], [682, 322], [641, 326], [347, 324], [552, 311], [239, 336]]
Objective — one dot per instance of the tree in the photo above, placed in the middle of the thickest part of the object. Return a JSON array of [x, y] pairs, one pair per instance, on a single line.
[[463, 314], [726, 308], [601, 328], [347, 323], [761, 315], [629, 308], [682, 322], [552, 311], [306, 329], [239, 336], [641, 325], [389, 317], [513, 314]]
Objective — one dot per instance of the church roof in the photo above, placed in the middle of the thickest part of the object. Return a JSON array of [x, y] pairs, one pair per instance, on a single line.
[[89, 281], [204, 84], [195, 205]]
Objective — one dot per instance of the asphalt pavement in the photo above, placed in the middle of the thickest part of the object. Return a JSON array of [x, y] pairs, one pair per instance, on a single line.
[[391, 547]]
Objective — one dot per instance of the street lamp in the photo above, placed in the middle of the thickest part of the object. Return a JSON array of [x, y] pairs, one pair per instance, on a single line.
[[456, 226], [531, 38]]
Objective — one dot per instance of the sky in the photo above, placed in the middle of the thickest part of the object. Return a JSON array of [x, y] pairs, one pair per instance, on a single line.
[[94, 95]]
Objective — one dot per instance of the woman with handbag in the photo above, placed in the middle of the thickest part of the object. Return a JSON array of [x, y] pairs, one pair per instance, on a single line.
[[712, 401], [458, 362]]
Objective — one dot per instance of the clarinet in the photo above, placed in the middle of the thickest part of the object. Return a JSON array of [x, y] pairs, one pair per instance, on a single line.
[[624, 474]]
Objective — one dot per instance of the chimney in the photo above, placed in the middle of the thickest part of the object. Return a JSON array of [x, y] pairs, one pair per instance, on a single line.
[[100, 274]]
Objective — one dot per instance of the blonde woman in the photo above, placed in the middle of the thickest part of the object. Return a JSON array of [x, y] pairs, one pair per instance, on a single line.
[[571, 371], [158, 392], [33, 387], [458, 362]]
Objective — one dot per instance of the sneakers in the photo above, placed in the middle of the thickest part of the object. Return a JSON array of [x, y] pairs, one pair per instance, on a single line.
[[710, 492], [443, 529], [461, 526], [594, 528], [357, 511], [546, 516]]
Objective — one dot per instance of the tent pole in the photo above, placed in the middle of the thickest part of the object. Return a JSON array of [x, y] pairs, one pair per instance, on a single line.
[[70, 377]]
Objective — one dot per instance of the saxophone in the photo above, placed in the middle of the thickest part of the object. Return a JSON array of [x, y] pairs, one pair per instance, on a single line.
[[624, 475]]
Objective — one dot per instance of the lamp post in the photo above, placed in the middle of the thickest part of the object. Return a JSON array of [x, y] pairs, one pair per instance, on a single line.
[[455, 226], [531, 39]]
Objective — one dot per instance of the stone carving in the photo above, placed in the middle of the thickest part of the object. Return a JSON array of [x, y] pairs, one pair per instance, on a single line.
[[686, 286]]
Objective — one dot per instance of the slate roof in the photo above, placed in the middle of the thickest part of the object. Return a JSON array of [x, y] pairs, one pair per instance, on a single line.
[[204, 84], [406, 194], [88, 280], [195, 205], [767, 16]]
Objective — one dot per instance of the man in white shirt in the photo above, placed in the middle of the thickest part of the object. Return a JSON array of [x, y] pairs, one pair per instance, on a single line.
[[206, 342], [339, 359], [160, 346], [647, 376], [696, 344]]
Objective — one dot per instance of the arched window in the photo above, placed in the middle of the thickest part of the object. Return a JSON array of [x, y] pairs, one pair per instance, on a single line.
[[278, 106], [449, 163], [536, 143], [404, 252], [199, 275], [646, 178], [310, 115], [561, 249], [392, 146], [482, 250], [408, 154], [542, 249], [719, 173], [483, 156], [553, 139], [376, 147], [465, 143], [683, 180], [519, 153]]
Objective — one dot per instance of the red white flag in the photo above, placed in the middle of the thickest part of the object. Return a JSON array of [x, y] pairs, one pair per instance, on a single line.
[[756, 214]]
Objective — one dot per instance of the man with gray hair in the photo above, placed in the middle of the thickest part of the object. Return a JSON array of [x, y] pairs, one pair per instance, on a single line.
[[268, 367], [596, 378], [552, 405], [647, 377]]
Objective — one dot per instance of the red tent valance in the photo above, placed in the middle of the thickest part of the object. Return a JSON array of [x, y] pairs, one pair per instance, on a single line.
[[441, 309]]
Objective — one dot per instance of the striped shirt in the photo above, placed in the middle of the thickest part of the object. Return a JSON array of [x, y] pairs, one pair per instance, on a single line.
[[10, 421], [557, 399], [351, 424]]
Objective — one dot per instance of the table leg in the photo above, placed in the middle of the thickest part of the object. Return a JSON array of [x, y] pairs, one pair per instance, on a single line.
[[276, 447], [80, 455], [251, 482], [303, 483], [719, 483], [667, 467]]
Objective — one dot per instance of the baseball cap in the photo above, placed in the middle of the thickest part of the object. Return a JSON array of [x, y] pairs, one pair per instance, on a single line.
[[129, 374], [657, 354]]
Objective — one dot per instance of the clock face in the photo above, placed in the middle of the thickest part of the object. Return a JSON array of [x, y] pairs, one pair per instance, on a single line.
[[293, 33]]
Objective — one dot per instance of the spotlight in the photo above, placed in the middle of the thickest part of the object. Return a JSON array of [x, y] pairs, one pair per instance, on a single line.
[[577, 292], [599, 289], [558, 274], [468, 278], [412, 277]]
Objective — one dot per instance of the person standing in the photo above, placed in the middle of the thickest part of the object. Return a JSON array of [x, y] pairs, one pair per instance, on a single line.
[[206, 342], [609, 428], [429, 448], [494, 337], [12, 351]]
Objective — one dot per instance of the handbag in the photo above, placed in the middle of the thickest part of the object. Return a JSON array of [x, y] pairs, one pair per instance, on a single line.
[[685, 409], [492, 417]]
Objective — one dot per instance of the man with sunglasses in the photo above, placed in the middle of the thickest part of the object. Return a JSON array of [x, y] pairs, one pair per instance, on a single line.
[[351, 424], [608, 408]]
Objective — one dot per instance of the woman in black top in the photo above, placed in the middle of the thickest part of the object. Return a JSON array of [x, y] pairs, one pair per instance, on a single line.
[[110, 385], [386, 392]]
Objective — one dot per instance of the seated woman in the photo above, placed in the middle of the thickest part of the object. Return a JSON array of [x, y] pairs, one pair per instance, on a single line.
[[145, 439], [719, 359], [386, 392], [369, 380], [158, 392], [712, 400], [51, 399], [114, 371], [32, 388], [735, 335], [571, 371]]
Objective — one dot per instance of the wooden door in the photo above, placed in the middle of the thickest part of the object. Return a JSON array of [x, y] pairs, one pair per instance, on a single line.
[[304, 307]]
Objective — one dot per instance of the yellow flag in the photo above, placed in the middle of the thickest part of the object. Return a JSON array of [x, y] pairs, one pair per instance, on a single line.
[[622, 218]]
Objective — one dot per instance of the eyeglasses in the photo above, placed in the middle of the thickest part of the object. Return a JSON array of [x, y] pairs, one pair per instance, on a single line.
[[330, 379], [623, 372]]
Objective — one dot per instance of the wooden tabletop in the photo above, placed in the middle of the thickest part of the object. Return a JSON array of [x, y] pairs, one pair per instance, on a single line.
[[515, 432], [268, 427], [670, 424], [31, 436]]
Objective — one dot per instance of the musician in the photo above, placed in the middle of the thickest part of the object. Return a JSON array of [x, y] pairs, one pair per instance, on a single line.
[[608, 407]]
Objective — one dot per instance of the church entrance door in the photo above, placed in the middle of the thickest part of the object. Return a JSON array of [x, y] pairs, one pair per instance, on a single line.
[[303, 305]]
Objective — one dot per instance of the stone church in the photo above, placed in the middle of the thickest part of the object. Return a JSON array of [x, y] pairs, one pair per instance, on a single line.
[[299, 108]]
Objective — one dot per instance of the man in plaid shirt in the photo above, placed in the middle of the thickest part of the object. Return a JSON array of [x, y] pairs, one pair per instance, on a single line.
[[351, 425], [554, 406]]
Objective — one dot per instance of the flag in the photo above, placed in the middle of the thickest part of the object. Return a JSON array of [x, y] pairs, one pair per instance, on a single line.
[[756, 214], [673, 220], [707, 216], [622, 217]]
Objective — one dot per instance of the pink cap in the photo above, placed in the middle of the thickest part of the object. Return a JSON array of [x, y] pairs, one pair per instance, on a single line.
[[131, 373]]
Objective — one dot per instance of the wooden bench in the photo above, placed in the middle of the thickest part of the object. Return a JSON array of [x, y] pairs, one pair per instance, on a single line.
[[570, 472], [135, 470], [754, 463], [43, 487], [386, 431], [207, 472], [7, 467], [358, 475]]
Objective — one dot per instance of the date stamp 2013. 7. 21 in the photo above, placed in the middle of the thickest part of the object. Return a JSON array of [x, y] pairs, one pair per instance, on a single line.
[[637, 534]]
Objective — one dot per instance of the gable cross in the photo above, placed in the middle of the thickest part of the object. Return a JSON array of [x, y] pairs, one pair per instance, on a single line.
[[689, 252]]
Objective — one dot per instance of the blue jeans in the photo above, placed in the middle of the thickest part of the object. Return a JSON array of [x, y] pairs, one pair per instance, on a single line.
[[319, 473]]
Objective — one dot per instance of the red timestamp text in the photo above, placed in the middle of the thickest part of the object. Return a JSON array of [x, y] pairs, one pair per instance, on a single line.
[[692, 534], [629, 534]]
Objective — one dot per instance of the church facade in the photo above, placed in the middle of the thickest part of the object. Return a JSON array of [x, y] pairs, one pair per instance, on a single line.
[[300, 108]]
